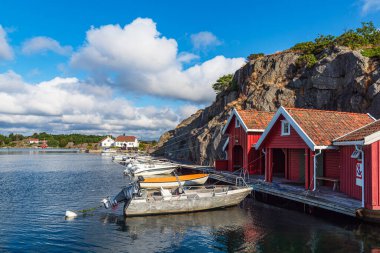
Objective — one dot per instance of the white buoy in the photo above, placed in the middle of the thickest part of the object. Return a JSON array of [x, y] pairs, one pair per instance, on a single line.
[[70, 214]]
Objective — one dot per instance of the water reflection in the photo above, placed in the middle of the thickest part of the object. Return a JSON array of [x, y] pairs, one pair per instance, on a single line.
[[34, 151], [224, 229], [36, 190]]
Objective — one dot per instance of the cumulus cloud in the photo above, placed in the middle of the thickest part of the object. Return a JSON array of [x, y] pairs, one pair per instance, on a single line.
[[203, 40], [139, 59], [187, 110], [43, 44], [370, 6], [69, 105], [6, 52]]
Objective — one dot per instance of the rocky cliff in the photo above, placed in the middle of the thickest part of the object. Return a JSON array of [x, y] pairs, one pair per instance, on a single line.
[[342, 80]]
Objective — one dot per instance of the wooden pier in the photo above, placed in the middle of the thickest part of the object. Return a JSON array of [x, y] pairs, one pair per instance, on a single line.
[[323, 197]]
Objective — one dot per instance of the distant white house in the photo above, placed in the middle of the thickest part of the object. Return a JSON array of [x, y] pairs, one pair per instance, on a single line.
[[126, 142], [34, 141], [107, 142]]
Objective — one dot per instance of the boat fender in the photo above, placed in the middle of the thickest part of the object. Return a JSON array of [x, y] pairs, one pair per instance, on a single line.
[[70, 214]]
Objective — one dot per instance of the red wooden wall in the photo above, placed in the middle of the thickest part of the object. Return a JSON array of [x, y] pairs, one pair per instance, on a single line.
[[348, 174], [294, 163], [275, 140], [372, 176], [295, 149], [251, 157]]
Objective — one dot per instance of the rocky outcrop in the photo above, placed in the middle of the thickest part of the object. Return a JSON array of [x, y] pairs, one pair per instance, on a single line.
[[342, 80]]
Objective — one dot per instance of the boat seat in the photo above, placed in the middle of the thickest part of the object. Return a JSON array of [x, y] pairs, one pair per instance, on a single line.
[[166, 194]]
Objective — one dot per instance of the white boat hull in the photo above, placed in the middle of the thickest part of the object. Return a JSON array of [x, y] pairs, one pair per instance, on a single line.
[[153, 185], [147, 172], [188, 202]]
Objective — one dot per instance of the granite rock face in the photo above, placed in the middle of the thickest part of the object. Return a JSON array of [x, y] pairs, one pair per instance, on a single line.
[[342, 80]]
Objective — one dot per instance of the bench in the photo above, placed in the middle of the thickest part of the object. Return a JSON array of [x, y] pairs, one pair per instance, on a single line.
[[328, 179]]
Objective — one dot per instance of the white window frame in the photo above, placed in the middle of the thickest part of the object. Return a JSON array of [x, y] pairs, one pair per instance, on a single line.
[[237, 123], [283, 124]]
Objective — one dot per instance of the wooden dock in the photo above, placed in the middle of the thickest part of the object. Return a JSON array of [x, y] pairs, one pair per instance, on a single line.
[[324, 197]]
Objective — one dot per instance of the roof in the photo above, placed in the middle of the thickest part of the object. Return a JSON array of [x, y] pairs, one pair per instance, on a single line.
[[324, 126], [105, 138], [123, 138], [319, 128], [367, 134], [252, 120], [255, 119]]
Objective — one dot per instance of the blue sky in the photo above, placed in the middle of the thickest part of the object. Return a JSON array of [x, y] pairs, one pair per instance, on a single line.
[[141, 66]]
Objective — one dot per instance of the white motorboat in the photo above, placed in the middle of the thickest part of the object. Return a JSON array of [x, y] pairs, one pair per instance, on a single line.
[[140, 202], [173, 181], [108, 151], [123, 158], [146, 169]]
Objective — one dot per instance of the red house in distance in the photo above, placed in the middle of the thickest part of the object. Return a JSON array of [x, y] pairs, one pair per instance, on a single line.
[[244, 128]]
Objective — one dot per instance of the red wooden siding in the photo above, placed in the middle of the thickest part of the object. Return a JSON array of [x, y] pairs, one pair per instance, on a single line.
[[251, 157], [275, 140], [331, 164], [348, 173], [296, 157], [221, 164], [372, 176]]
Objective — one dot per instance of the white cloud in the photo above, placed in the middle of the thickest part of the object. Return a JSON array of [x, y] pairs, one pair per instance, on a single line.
[[204, 39], [139, 59], [69, 105], [186, 57], [43, 44], [187, 110], [6, 52], [370, 6]]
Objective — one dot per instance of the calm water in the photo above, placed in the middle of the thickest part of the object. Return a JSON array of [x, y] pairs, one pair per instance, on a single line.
[[37, 188]]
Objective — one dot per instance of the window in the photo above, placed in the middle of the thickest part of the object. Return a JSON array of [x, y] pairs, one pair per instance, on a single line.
[[237, 123], [285, 128]]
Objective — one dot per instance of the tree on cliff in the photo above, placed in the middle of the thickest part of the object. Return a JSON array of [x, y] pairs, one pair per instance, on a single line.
[[223, 83]]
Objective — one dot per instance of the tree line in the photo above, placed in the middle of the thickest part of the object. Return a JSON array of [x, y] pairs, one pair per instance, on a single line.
[[53, 140]]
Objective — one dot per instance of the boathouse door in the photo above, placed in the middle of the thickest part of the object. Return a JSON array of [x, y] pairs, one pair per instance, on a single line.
[[278, 163], [237, 157]]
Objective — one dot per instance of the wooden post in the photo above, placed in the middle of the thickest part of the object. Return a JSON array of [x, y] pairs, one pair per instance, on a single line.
[[311, 169], [270, 163], [307, 174], [286, 163]]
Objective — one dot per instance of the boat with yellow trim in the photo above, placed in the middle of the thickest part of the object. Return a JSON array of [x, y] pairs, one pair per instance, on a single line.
[[173, 181]]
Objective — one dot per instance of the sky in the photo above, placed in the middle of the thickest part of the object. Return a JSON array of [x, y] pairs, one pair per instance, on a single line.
[[140, 67]]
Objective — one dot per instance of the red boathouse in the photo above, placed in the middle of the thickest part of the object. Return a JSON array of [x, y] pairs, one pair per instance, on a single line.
[[244, 128], [305, 146], [360, 152]]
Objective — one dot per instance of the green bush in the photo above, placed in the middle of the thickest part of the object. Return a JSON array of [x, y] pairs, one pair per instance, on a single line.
[[308, 60], [53, 143], [371, 52], [364, 36], [352, 40], [370, 33], [223, 83], [255, 56], [322, 42], [305, 47]]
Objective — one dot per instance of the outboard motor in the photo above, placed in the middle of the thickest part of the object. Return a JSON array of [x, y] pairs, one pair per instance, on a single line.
[[125, 195]]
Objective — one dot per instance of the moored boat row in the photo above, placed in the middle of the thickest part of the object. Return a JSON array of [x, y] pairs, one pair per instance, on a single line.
[[153, 190]]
